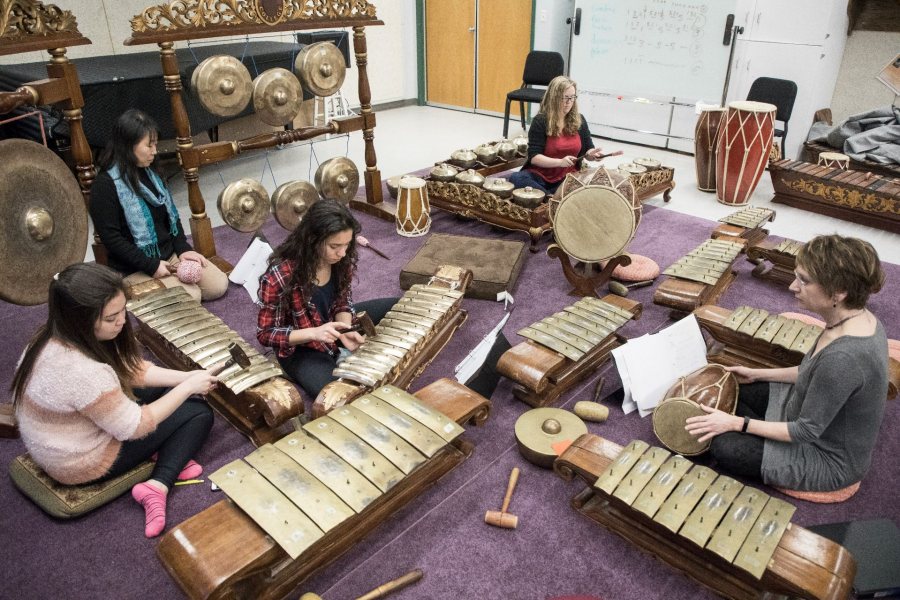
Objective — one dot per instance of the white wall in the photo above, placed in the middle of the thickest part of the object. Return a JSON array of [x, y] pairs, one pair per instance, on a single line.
[[857, 90], [551, 32], [391, 48]]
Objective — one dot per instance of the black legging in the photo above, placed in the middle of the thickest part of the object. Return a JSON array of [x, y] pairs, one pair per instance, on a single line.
[[312, 369], [742, 453], [177, 439]]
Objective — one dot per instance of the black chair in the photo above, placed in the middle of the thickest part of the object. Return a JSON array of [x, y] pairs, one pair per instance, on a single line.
[[540, 68], [781, 93]]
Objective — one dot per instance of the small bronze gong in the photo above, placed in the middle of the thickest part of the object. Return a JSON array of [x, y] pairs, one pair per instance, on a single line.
[[540, 429]]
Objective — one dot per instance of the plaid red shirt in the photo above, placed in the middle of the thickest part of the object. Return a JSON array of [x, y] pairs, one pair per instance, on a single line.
[[280, 313]]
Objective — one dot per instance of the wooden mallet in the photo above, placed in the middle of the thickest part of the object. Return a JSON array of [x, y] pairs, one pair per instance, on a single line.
[[502, 518], [382, 590]]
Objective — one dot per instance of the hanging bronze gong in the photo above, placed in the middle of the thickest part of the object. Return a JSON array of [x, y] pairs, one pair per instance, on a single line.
[[277, 96], [321, 68], [337, 178], [244, 205], [291, 201], [223, 85], [45, 224], [543, 433]]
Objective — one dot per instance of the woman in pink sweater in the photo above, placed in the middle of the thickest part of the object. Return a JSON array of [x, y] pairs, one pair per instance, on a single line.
[[75, 388]]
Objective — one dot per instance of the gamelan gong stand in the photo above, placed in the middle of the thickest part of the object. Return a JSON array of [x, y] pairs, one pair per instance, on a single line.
[[586, 277]]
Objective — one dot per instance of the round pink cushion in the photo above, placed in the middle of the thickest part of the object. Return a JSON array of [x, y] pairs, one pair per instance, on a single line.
[[189, 271], [641, 268], [823, 497]]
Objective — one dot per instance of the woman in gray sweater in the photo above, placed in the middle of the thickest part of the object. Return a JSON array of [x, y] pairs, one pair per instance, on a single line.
[[813, 427]]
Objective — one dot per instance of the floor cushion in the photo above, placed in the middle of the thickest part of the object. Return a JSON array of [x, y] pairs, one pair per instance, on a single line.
[[67, 501], [823, 497]]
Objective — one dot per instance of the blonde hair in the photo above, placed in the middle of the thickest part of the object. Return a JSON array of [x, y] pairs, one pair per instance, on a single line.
[[551, 106], [843, 264]]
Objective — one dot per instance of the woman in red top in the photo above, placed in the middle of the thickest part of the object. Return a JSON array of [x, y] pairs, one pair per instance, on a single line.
[[557, 138]]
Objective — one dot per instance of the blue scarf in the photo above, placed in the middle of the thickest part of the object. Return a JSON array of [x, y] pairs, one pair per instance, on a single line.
[[137, 214]]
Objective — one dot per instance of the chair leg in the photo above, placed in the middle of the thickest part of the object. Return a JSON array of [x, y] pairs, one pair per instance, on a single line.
[[522, 114], [784, 136], [506, 119]]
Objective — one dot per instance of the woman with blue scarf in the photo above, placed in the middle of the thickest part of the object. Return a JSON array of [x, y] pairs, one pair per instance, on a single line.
[[135, 216]]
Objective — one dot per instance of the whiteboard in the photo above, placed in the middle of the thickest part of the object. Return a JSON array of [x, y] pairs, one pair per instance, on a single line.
[[668, 48]]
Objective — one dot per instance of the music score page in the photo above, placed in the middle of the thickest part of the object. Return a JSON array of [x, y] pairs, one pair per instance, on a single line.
[[650, 364]]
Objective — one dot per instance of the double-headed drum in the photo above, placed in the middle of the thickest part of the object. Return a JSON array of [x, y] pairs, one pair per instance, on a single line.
[[744, 144], [413, 210], [595, 214], [834, 159], [710, 386], [706, 134]]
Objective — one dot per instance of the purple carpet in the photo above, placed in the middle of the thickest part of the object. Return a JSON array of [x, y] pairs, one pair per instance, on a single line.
[[554, 551]]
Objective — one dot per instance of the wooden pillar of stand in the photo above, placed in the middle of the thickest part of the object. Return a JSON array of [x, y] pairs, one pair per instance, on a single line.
[[61, 68], [201, 226], [374, 204]]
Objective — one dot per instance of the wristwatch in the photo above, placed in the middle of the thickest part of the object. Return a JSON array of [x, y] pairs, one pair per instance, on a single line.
[[746, 423]]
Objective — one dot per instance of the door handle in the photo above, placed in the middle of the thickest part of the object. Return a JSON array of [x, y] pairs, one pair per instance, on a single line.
[[472, 29]]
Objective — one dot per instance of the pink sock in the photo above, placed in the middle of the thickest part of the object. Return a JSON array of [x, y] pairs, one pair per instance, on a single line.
[[154, 502], [191, 470]]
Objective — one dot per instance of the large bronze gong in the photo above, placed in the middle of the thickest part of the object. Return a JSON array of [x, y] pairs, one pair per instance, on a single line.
[[277, 96], [338, 178], [597, 215], [44, 224], [291, 201], [244, 205], [321, 68], [222, 84]]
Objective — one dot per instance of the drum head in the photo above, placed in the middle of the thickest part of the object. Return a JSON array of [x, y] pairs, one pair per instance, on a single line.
[[594, 223], [668, 425], [752, 106]]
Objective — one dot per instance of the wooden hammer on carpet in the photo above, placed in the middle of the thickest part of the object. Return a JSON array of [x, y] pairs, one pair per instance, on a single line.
[[382, 590], [504, 519]]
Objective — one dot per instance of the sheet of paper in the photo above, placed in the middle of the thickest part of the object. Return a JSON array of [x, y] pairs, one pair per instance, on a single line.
[[628, 403], [251, 266], [653, 362], [470, 365]]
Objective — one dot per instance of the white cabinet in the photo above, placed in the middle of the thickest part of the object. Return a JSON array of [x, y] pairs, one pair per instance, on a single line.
[[802, 41], [799, 63], [794, 22]]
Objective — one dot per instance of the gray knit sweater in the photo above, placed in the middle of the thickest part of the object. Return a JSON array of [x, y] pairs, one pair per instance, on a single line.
[[833, 414]]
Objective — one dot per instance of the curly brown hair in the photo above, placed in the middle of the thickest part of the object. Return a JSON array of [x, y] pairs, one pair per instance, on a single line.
[[324, 219], [843, 264]]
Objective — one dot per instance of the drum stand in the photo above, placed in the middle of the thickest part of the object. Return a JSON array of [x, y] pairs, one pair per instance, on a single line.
[[586, 277]]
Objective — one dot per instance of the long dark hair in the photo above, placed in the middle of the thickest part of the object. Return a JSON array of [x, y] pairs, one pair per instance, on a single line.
[[303, 246], [77, 297], [130, 128]]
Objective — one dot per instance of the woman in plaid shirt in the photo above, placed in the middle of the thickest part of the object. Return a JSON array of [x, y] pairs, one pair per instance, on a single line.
[[306, 310]]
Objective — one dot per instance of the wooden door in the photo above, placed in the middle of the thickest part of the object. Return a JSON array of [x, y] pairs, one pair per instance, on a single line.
[[450, 52], [504, 40]]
